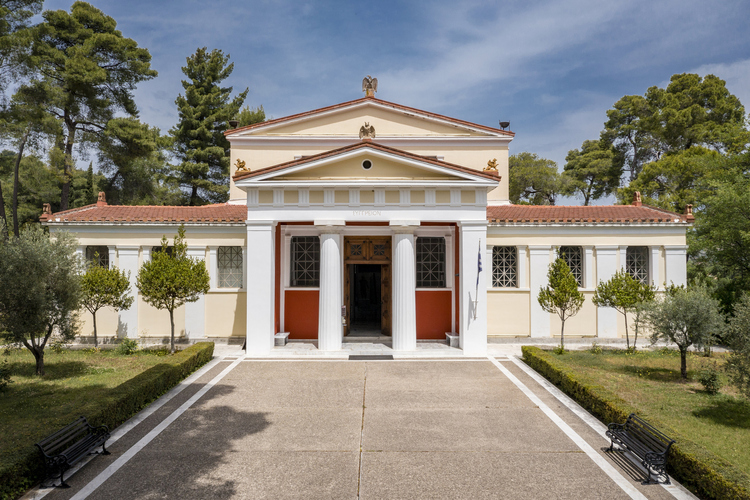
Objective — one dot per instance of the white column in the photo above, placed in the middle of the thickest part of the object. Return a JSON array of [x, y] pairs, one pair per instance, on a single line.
[[128, 318], [653, 263], [213, 267], [522, 276], [473, 299], [588, 267], [330, 325], [81, 252], [676, 265], [112, 251], [404, 291], [260, 287], [606, 266], [539, 259], [623, 259], [195, 312]]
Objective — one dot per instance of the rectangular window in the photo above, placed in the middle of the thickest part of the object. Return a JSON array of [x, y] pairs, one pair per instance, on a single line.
[[157, 249], [573, 257], [430, 262], [504, 267], [98, 256], [305, 268], [230, 267], [636, 263]]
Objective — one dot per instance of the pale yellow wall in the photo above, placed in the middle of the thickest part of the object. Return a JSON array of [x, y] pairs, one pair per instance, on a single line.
[[351, 168], [505, 313], [147, 238], [154, 322], [568, 236], [106, 323], [226, 314], [582, 324], [348, 122]]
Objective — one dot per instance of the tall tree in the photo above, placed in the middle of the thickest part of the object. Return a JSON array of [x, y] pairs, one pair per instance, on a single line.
[[561, 295], [171, 278], [591, 172], [103, 287], [204, 112], [533, 180], [88, 71], [623, 293], [248, 116], [41, 290]]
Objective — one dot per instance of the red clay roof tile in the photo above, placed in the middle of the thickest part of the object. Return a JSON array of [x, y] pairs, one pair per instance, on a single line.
[[546, 214]]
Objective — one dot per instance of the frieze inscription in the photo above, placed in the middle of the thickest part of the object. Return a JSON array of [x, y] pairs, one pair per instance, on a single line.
[[366, 213]]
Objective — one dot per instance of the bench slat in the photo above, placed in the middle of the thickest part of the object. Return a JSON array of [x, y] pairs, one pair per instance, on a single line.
[[644, 441]]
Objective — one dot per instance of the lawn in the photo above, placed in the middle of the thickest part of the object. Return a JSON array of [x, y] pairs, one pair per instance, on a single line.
[[75, 383], [649, 382]]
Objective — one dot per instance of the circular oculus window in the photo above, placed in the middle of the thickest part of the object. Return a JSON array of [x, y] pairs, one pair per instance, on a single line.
[[367, 164]]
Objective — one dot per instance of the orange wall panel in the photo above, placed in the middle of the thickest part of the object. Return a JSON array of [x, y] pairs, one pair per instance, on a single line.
[[301, 314], [433, 314]]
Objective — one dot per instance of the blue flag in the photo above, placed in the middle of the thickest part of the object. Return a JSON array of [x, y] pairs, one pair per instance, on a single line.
[[479, 262]]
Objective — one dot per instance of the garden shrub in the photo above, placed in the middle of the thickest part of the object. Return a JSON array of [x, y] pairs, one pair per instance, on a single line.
[[4, 375], [127, 347], [130, 397], [709, 379], [710, 476], [595, 348]]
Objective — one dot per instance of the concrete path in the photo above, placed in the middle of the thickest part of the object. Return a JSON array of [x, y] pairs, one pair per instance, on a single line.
[[361, 429]]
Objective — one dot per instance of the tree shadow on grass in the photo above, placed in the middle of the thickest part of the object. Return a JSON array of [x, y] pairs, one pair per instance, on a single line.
[[652, 373], [52, 371], [727, 412]]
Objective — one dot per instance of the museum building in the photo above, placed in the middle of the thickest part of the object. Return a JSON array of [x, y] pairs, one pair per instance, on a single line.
[[370, 219]]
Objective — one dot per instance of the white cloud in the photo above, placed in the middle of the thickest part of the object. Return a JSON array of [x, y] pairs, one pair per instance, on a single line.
[[736, 74]]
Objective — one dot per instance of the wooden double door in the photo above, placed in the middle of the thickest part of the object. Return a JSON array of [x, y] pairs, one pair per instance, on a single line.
[[367, 274]]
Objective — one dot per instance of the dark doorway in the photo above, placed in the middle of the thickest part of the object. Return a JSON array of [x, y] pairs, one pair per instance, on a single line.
[[366, 300]]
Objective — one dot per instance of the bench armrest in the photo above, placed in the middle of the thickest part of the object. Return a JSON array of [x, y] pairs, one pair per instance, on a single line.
[[615, 427]]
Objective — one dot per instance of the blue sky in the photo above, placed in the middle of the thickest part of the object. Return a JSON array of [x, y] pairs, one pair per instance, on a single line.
[[551, 68]]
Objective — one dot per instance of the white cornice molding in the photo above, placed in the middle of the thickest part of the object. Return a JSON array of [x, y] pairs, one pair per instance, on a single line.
[[332, 142]]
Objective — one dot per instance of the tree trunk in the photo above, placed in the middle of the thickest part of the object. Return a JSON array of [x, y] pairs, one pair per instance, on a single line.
[[627, 335], [14, 206], [68, 167], [39, 356], [635, 339], [562, 336], [2, 215], [171, 322], [683, 363], [193, 196], [96, 342]]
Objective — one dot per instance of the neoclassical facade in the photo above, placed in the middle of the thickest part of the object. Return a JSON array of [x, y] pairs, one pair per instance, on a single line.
[[369, 219]]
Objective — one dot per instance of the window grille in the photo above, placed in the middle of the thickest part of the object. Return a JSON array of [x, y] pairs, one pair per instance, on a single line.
[[430, 262], [98, 256], [157, 249], [305, 261], [573, 257], [636, 263], [504, 267], [230, 267]]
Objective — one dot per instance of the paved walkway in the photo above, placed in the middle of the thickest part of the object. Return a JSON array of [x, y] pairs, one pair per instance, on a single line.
[[442, 428]]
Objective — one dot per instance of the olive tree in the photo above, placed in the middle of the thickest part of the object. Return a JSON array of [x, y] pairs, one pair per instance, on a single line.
[[561, 295], [171, 278], [623, 293], [685, 316], [104, 287], [738, 338], [41, 290]]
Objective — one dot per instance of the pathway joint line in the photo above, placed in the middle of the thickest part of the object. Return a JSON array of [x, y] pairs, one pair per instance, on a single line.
[[675, 489], [89, 488], [605, 466]]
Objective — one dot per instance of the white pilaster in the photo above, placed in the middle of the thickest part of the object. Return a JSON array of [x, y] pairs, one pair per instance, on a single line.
[[128, 318], [112, 251], [260, 287], [81, 252], [354, 197], [606, 266], [522, 279], [429, 197], [404, 291], [473, 299], [588, 267], [653, 263], [379, 197], [213, 267], [455, 197], [539, 260], [303, 197], [278, 197], [676, 265], [623, 259], [253, 197], [404, 197], [329, 197], [195, 312], [146, 254], [330, 326]]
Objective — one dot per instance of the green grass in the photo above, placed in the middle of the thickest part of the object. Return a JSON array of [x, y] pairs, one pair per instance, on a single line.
[[75, 383], [650, 382]]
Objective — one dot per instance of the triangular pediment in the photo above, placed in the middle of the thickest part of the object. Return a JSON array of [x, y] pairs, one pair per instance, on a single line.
[[369, 163], [346, 119]]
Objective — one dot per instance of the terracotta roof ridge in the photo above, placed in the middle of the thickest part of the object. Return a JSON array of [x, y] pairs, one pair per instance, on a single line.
[[357, 145], [664, 210], [371, 99], [74, 210]]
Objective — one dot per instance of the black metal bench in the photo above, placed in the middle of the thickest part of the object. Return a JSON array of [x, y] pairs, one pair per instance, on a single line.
[[646, 442], [68, 446]]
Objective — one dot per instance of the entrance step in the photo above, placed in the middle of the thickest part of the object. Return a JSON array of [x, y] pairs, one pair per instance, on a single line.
[[368, 340], [370, 357]]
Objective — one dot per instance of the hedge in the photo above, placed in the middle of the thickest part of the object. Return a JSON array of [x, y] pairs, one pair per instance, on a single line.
[[128, 399], [691, 464]]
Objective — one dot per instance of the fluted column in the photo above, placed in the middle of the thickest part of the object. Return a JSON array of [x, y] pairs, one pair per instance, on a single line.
[[330, 326], [404, 292]]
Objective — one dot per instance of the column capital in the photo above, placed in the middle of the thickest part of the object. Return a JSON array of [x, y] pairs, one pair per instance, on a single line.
[[473, 225]]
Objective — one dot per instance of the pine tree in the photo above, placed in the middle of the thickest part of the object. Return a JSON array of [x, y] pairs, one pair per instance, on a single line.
[[204, 112]]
